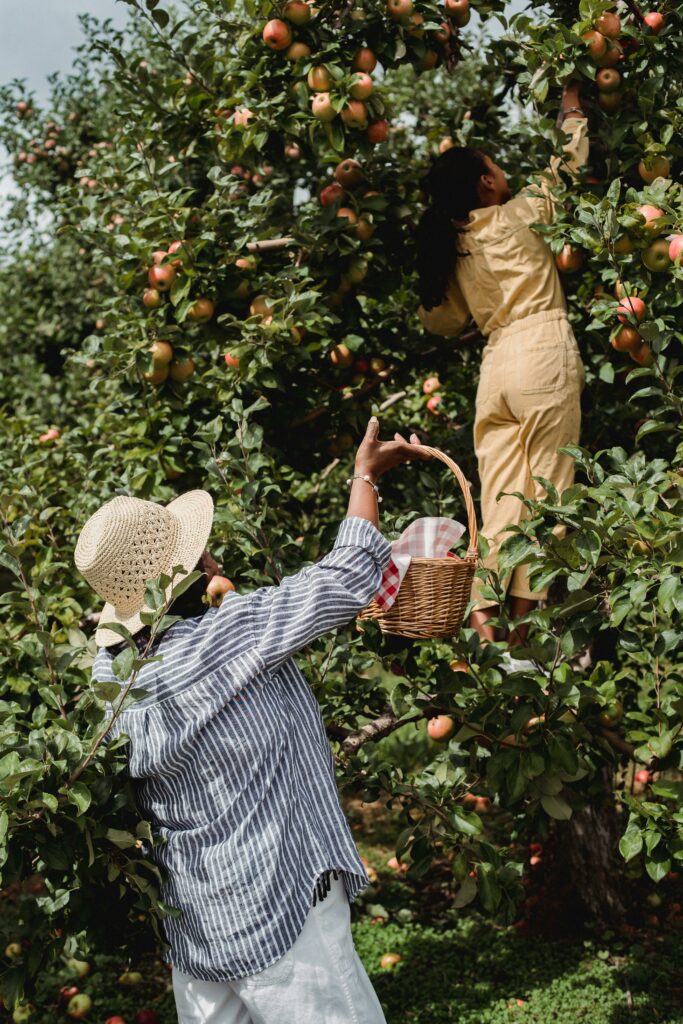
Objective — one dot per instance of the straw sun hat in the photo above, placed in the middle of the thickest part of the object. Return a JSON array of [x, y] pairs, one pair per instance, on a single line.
[[129, 542]]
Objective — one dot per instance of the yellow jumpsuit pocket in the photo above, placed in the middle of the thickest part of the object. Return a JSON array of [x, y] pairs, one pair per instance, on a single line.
[[541, 366]]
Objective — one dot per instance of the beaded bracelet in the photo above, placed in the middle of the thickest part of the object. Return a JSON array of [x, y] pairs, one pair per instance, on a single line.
[[368, 481]]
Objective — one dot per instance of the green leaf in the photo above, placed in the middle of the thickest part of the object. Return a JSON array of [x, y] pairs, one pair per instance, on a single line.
[[489, 889], [80, 796], [631, 843], [466, 893], [122, 666], [556, 807]]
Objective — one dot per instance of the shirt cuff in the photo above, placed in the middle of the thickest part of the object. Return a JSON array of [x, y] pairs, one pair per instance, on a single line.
[[360, 533]]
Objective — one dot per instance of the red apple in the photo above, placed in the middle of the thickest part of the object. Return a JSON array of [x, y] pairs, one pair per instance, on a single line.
[[365, 229], [675, 247], [277, 34], [433, 404], [114, 1020], [430, 385], [655, 21], [232, 361], [361, 86], [321, 107], [378, 131], [242, 117], [400, 10], [414, 26], [297, 11], [624, 245], [429, 60], [331, 194], [631, 308], [293, 151], [643, 776], [446, 144], [151, 298], [319, 79], [157, 375], [181, 369], [67, 992], [80, 1006], [596, 43], [201, 311], [354, 114], [341, 356], [442, 727], [650, 214], [348, 173], [459, 11], [161, 352], [346, 213], [609, 24], [158, 256], [569, 261], [609, 101], [364, 60], [22, 108], [390, 960], [627, 339], [611, 56], [161, 278], [656, 257], [655, 167], [50, 435], [643, 356], [608, 80], [217, 588]]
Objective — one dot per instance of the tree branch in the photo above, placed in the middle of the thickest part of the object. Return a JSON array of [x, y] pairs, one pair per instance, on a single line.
[[376, 730], [270, 244]]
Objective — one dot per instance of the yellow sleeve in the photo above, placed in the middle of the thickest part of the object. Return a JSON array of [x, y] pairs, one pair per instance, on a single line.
[[574, 156], [450, 317]]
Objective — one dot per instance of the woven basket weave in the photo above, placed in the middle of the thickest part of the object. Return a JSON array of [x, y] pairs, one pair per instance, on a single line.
[[435, 592]]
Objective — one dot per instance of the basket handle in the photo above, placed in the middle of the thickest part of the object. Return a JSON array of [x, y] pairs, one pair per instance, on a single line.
[[464, 487]]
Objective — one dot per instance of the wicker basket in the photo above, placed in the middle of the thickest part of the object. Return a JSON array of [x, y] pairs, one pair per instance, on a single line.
[[435, 592]]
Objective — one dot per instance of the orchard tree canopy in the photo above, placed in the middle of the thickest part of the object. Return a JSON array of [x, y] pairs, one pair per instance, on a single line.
[[210, 282]]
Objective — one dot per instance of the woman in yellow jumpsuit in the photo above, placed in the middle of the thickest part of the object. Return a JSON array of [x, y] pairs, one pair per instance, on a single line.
[[478, 256]]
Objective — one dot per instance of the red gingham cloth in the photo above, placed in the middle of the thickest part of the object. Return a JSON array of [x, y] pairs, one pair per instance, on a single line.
[[430, 537]]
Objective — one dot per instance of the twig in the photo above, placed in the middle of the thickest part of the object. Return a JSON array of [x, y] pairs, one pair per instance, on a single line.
[[376, 730], [392, 400], [270, 244]]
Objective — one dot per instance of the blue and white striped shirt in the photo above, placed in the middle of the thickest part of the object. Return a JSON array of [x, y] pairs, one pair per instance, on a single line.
[[234, 769]]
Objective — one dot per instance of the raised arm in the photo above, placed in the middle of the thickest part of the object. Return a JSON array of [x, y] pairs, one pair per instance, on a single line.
[[449, 318]]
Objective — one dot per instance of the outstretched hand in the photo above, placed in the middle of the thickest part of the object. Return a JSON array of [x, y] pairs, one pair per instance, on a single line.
[[375, 457]]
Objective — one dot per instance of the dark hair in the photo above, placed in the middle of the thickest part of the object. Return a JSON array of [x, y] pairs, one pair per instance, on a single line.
[[188, 606], [452, 185]]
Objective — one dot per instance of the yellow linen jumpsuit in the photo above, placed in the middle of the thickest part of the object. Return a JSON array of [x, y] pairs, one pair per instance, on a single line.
[[528, 399]]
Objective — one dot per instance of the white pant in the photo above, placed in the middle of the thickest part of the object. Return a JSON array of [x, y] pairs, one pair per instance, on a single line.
[[320, 980]]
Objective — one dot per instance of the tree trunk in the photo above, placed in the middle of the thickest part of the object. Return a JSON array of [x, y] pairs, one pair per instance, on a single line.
[[589, 844]]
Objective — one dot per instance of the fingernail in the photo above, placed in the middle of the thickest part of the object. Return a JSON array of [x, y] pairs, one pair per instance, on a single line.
[[373, 419]]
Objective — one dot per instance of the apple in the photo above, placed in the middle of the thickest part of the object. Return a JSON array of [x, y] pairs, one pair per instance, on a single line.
[[395, 864], [346, 213], [232, 361], [655, 21], [609, 101], [242, 117], [433, 404], [67, 992], [216, 589], [130, 978], [81, 968], [675, 247], [13, 950], [631, 308], [459, 666], [357, 270], [429, 60], [365, 229], [151, 298], [161, 278], [415, 25], [611, 56], [293, 151], [22, 108], [354, 114], [611, 715], [156, 376], [627, 339], [321, 107], [378, 131], [365, 60], [114, 1020], [348, 174], [624, 245], [446, 144], [319, 79], [650, 214], [596, 43], [656, 257], [161, 352], [22, 1013], [609, 24], [298, 51], [260, 306], [430, 385], [80, 1006], [608, 80], [643, 356], [569, 261], [201, 311], [297, 11], [341, 356], [459, 11], [181, 369], [400, 10], [331, 194], [277, 34], [158, 256], [655, 167], [390, 960], [653, 899], [361, 86], [643, 776], [377, 364], [535, 860], [440, 728]]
